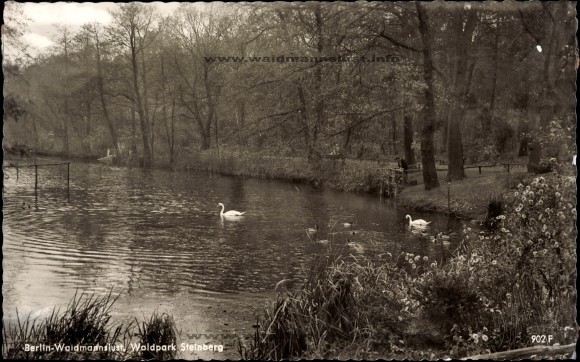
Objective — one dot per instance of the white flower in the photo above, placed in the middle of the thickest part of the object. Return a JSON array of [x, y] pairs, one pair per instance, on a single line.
[[493, 262], [484, 337]]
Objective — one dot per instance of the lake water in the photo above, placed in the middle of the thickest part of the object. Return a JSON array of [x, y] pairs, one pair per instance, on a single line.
[[156, 237]]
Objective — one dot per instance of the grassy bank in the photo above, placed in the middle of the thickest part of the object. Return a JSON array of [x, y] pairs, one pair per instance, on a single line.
[[351, 176], [504, 284], [467, 198]]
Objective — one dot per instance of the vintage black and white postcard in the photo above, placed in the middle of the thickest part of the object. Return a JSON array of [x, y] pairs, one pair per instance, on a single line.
[[289, 180]]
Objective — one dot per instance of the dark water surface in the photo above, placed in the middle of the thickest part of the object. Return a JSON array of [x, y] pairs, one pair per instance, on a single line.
[[157, 234]]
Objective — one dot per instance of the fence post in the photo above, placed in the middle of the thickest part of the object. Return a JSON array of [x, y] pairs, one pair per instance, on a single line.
[[508, 168], [35, 178], [17, 172], [479, 169], [68, 180]]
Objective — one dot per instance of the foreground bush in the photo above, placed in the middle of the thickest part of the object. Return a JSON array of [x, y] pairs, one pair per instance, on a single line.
[[506, 285], [346, 308]]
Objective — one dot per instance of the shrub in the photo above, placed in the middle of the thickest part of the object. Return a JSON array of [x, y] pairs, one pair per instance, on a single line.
[[495, 206], [341, 304], [480, 151], [517, 280]]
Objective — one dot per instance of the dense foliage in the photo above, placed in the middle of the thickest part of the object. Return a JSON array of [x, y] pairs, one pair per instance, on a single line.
[[151, 88]]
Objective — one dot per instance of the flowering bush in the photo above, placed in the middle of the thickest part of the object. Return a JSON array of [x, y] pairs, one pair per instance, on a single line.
[[504, 285], [480, 151]]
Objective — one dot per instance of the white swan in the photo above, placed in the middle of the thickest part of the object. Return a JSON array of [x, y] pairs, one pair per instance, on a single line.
[[231, 213], [312, 231], [355, 246], [108, 159], [418, 222], [444, 239]]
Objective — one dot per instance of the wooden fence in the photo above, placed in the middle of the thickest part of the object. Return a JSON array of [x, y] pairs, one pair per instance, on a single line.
[[35, 165]]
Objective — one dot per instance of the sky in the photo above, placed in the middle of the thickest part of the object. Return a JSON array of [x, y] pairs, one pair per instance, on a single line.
[[42, 19]]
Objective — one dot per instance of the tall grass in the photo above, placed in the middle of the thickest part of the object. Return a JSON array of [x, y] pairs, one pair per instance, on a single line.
[[160, 331], [85, 323], [343, 310]]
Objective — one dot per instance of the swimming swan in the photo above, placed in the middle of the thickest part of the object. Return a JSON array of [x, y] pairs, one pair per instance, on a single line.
[[229, 213], [417, 223], [355, 246], [312, 231]]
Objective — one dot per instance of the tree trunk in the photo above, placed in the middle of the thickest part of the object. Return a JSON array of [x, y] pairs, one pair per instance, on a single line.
[[394, 139], [304, 119], [144, 122], [100, 87], [172, 139], [464, 31], [430, 178], [487, 120], [318, 120], [65, 140], [408, 139], [535, 149], [88, 130], [133, 151]]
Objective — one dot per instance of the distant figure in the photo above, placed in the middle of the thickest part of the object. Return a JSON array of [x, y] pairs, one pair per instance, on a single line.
[[108, 159], [401, 163]]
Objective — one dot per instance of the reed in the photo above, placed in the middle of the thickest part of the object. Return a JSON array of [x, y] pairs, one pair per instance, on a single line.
[[159, 330], [340, 310], [85, 323]]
